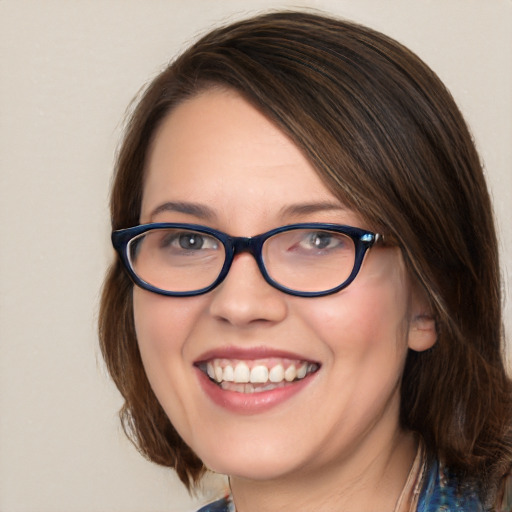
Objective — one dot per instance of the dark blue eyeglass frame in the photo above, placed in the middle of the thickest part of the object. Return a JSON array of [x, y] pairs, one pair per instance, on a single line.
[[363, 240]]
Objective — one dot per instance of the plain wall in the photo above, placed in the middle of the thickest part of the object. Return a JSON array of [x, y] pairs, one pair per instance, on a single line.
[[68, 71]]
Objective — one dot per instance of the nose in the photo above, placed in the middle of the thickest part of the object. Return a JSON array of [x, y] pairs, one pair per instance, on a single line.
[[244, 297]]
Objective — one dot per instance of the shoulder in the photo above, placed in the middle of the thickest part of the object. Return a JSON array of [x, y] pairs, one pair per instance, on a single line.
[[222, 505]]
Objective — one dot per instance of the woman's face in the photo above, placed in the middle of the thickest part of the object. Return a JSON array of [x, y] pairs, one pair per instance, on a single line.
[[217, 161]]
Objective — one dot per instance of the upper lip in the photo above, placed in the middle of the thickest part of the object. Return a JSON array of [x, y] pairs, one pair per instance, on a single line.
[[250, 353]]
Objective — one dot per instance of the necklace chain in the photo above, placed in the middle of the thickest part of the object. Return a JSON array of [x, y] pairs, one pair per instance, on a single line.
[[412, 487]]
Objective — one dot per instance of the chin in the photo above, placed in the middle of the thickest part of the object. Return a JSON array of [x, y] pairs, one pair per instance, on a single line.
[[253, 461], [257, 470]]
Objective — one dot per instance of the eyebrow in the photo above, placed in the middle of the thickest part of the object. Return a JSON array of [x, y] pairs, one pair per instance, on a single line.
[[308, 208], [204, 212], [195, 209]]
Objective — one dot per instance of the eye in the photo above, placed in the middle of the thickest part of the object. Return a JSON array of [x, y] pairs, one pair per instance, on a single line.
[[189, 241], [319, 240], [322, 240]]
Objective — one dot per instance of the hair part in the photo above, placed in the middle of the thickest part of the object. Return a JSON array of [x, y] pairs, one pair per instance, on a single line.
[[386, 137]]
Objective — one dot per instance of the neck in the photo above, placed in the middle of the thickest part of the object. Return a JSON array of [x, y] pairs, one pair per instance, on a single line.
[[354, 484]]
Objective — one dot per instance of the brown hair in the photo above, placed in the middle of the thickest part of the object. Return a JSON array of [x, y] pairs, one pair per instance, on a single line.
[[385, 136]]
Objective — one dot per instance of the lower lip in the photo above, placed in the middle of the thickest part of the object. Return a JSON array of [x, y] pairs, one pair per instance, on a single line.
[[251, 403]]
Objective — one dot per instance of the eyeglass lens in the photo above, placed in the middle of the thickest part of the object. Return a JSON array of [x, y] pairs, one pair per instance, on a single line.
[[181, 260]]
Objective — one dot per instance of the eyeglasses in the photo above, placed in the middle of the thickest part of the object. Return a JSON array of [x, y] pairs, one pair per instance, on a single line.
[[307, 260]]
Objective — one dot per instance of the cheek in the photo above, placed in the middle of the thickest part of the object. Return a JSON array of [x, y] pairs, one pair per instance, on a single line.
[[161, 323], [363, 322], [163, 326]]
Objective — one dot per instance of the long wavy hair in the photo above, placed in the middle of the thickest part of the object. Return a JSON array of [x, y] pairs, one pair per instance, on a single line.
[[386, 137]]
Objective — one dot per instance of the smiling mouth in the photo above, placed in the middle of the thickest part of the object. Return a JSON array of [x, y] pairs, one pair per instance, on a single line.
[[256, 376]]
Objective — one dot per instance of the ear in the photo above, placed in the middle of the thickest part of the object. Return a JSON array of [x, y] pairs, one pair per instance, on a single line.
[[422, 324]]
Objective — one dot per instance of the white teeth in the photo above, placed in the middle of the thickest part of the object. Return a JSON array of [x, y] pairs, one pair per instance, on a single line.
[[259, 374], [276, 374], [229, 374], [290, 373], [256, 376], [249, 388], [242, 373], [301, 372]]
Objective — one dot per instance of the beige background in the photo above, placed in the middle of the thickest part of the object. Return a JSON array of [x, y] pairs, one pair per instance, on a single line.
[[68, 70]]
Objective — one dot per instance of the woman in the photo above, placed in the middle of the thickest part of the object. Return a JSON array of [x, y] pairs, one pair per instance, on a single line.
[[316, 310]]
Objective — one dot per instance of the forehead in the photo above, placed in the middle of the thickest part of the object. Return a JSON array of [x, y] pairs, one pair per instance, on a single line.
[[216, 149], [217, 129]]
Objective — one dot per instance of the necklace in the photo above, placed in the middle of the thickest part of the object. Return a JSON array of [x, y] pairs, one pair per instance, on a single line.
[[408, 499]]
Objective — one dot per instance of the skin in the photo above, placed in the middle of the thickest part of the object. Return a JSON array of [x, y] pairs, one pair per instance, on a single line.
[[339, 436]]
